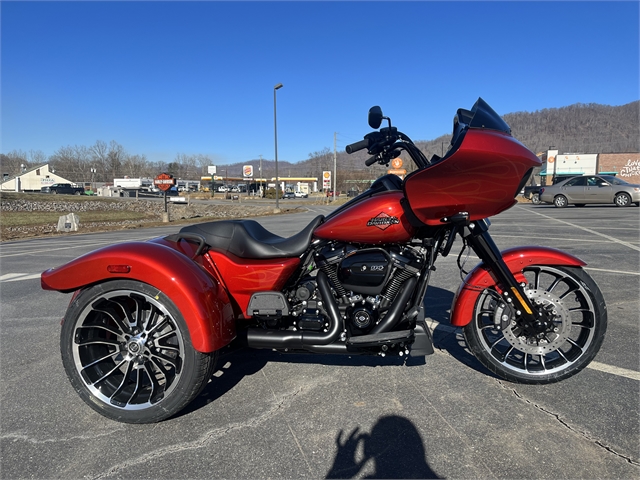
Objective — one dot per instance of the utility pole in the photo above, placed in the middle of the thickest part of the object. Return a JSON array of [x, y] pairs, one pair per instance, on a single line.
[[335, 177], [261, 176]]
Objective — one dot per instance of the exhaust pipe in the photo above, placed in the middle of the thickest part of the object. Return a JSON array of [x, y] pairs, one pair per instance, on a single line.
[[260, 338], [325, 342], [397, 307]]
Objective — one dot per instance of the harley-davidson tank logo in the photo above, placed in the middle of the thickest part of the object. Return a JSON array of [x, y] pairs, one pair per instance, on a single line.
[[382, 221]]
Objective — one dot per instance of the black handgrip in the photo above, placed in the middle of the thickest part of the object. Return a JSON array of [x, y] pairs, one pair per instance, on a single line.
[[354, 147], [371, 161]]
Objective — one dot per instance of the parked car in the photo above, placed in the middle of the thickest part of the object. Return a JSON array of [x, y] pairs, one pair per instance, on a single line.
[[585, 189], [62, 188], [300, 194], [288, 195], [330, 193], [532, 192]]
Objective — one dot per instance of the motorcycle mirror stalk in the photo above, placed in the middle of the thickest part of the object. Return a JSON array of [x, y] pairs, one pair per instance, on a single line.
[[375, 117]]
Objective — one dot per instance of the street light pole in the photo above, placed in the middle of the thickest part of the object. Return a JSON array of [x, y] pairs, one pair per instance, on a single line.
[[275, 133], [93, 172]]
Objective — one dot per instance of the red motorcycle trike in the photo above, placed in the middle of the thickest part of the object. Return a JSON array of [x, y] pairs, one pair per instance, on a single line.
[[146, 320]]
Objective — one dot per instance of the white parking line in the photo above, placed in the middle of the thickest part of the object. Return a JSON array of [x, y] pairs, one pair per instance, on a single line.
[[601, 367], [620, 372], [612, 239], [70, 246], [611, 271], [14, 277]]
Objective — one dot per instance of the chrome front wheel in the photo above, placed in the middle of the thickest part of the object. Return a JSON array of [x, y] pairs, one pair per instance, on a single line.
[[569, 341], [127, 351]]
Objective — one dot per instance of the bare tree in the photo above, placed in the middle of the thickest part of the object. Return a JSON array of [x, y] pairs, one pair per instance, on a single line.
[[99, 152], [12, 162]]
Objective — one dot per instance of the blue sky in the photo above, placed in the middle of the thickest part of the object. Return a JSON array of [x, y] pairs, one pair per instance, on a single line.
[[163, 78]]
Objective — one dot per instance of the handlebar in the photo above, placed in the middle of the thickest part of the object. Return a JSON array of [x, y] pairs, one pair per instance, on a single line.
[[371, 161], [385, 145], [354, 147]]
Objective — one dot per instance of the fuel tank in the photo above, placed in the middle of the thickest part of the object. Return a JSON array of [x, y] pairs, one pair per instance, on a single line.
[[376, 220]]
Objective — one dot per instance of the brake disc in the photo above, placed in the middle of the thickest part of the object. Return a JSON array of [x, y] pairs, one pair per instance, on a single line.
[[554, 335]]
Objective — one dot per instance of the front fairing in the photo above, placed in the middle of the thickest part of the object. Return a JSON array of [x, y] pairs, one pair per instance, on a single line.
[[481, 177]]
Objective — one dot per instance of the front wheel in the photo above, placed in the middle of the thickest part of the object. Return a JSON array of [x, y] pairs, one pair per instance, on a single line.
[[567, 345], [127, 352], [622, 200]]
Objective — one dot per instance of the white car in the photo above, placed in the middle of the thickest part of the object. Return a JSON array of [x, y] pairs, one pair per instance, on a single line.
[[300, 194]]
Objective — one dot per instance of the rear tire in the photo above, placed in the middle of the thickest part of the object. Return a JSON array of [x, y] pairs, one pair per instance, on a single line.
[[495, 338], [127, 352], [560, 201], [535, 199]]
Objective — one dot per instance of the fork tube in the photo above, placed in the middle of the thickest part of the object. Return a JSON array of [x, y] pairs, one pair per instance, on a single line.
[[477, 234]]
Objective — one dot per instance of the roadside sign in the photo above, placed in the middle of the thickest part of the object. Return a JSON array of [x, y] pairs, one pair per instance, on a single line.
[[326, 180], [401, 172], [164, 181]]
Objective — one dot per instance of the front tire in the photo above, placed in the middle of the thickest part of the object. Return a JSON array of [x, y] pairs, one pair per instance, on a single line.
[[622, 200], [579, 324], [127, 352]]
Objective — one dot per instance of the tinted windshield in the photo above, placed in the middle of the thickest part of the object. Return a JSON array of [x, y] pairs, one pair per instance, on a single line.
[[483, 116]]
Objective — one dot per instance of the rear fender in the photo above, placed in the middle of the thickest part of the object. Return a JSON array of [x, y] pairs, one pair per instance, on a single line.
[[516, 259], [199, 296]]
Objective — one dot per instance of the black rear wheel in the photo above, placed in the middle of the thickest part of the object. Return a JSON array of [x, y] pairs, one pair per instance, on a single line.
[[127, 352], [579, 322]]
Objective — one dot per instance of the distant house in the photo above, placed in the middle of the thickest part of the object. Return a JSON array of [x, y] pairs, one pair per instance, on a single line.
[[31, 180]]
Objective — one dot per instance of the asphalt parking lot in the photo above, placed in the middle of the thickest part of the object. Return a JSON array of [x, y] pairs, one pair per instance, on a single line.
[[270, 415]]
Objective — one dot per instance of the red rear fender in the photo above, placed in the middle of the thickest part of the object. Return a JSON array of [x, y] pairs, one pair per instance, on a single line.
[[199, 296], [516, 259]]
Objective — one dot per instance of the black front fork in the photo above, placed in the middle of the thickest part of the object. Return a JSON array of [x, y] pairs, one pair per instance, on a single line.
[[477, 236]]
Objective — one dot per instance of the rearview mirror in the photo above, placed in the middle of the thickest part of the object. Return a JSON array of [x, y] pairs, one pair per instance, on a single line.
[[375, 117]]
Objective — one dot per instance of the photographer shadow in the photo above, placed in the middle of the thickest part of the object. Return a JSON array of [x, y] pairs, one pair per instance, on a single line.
[[394, 446]]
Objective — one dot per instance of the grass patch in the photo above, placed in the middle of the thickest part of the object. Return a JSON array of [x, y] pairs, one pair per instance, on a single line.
[[36, 218], [48, 197], [22, 219]]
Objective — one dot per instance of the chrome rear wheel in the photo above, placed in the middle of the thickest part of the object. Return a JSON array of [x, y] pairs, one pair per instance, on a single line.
[[127, 351]]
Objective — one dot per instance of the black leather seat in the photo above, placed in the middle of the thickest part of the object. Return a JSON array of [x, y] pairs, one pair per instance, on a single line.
[[249, 239]]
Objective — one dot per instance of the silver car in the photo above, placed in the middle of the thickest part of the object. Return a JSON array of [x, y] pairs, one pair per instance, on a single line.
[[591, 189]]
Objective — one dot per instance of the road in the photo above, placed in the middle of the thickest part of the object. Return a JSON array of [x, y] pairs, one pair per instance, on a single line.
[[270, 415]]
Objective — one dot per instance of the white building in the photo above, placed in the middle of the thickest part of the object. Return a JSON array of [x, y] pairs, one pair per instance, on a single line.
[[32, 180]]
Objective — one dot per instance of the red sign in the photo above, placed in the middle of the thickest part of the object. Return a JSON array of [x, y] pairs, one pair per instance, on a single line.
[[164, 181]]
